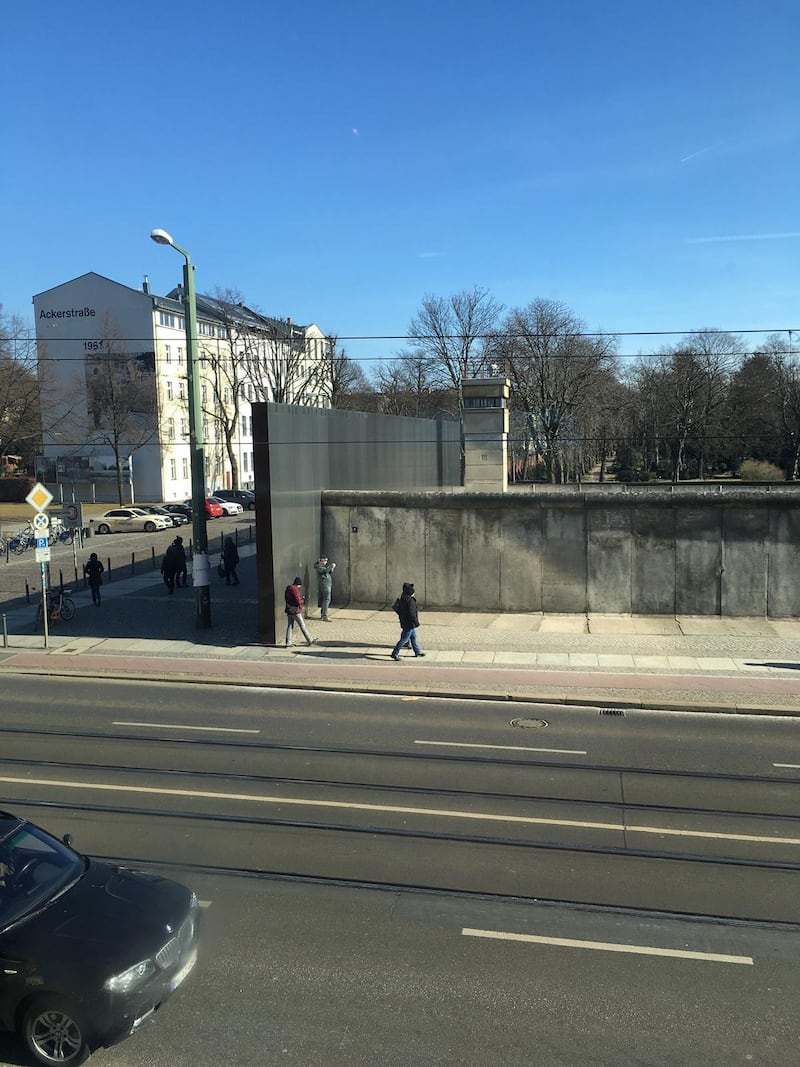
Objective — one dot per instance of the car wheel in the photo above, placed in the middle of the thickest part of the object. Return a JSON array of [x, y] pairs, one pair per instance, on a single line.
[[104, 528], [251, 506], [54, 1033], [150, 527]]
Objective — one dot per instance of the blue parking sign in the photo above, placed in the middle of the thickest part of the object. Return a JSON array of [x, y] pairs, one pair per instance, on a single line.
[[41, 542]]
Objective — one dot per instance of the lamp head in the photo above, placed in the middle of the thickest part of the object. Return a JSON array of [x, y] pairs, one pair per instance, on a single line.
[[161, 237]]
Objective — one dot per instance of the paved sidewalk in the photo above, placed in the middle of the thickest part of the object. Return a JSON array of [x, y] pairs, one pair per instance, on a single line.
[[613, 661]]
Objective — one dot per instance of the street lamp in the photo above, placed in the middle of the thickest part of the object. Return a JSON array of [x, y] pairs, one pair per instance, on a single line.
[[200, 573]]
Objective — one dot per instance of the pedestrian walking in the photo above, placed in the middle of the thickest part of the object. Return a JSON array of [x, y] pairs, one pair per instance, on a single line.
[[230, 561], [93, 570], [406, 608], [169, 568], [293, 595], [325, 571], [180, 558]]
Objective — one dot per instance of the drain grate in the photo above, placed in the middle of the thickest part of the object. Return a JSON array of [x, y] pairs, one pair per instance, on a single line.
[[612, 711], [530, 724]]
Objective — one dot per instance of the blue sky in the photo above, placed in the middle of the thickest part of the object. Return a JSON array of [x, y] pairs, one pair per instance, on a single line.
[[336, 161]]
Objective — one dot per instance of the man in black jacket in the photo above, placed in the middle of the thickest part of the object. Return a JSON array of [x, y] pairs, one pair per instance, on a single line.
[[406, 608]]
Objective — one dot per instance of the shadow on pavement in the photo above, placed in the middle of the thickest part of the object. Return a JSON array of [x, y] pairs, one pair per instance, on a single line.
[[782, 666]]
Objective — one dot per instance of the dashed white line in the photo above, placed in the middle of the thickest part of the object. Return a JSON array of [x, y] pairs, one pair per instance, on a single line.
[[610, 946], [505, 748], [178, 726], [788, 766]]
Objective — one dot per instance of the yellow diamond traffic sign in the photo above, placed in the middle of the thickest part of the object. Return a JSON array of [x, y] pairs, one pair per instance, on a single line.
[[39, 497]]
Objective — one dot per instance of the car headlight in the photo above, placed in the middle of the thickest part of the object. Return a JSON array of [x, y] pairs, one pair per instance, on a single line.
[[133, 977]]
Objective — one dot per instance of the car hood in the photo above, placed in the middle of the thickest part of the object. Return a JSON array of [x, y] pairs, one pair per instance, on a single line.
[[112, 916]]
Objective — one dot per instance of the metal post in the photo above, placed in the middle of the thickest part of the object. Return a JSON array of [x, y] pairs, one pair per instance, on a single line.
[[200, 574]]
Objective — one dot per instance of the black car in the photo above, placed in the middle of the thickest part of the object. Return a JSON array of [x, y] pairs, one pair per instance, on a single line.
[[177, 517], [179, 509], [240, 496], [88, 950]]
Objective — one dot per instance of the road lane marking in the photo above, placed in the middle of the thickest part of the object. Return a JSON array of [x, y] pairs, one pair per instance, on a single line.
[[790, 766], [505, 748], [172, 726], [611, 946], [527, 820]]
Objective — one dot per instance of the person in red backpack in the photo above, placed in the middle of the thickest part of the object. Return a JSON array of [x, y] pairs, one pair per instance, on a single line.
[[293, 595]]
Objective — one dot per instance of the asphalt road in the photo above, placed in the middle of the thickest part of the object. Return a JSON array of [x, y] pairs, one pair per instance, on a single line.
[[597, 889]]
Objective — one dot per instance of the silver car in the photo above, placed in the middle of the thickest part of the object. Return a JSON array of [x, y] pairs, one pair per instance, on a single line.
[[131, 520]]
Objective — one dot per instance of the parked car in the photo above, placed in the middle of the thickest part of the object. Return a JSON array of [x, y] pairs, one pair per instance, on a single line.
[[127, 520], [241, 496], [230, 507], [213, 509], [175, 517], [89, 950], [179, 509]]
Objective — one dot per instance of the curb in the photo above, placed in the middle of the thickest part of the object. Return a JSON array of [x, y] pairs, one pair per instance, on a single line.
[[428, 691]]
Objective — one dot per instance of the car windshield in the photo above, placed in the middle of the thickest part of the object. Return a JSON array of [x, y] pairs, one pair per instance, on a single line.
[[34, 868]]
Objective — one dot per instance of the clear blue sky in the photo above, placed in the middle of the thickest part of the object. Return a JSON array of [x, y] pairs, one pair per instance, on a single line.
[[336, 161]]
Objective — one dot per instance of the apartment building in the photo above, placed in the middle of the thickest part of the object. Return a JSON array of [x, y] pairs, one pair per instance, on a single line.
[[113, 366]]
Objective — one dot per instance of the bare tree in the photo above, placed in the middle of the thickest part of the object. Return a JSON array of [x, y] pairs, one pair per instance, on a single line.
[[409, 385], [121, 399], [556, 371], [284, 361], [224, 369], [20, 393], [455, 333], [340, 379]]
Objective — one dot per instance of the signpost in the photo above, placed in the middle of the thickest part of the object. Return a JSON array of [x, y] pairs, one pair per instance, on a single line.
[[39, 498]]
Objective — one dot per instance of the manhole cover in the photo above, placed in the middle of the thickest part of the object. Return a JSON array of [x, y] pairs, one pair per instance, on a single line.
[[530, 724]]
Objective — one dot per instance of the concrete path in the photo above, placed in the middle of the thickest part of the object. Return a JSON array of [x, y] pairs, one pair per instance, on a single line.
[[614, 661]]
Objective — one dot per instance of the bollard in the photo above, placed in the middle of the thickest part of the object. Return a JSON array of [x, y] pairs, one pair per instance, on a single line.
[[60, 579], [191, 549], [153, 555], [133, 564], [108, 568], [5, 632], [27, 592]]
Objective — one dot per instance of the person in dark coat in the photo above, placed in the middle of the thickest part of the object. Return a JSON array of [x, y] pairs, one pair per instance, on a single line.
[[169, 568], [293, 595], [406, 608], [230, 561], [180, 556], [93, 569]]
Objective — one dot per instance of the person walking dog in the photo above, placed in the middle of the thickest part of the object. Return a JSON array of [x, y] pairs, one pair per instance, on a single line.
[[406, 608], [293, 595]]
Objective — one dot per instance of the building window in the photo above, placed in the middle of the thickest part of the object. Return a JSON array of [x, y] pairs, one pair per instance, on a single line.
[[180, 389], [169, 390], [251, 425], [180, 354], [204, 392], [206, 465], [185, 467], [205, 431], [170, 429], [244, 426], [173, 473], [252, 465], [184, 429], [244, 460], [167, 353]]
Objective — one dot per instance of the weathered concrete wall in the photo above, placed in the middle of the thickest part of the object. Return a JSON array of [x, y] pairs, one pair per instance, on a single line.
[[651, 551]]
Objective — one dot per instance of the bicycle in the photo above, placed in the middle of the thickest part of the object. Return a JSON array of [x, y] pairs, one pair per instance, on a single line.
[[20, 541], [60, 605]]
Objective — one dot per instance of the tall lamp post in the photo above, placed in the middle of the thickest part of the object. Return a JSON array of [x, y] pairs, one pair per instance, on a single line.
[[200, 573]]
